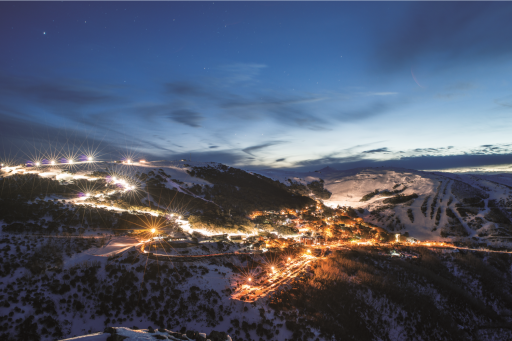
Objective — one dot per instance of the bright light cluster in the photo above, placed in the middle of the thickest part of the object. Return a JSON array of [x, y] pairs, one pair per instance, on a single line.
[[125, 184]]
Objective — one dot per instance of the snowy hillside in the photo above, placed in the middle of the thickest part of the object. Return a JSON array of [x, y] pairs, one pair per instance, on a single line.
[[430, 206]]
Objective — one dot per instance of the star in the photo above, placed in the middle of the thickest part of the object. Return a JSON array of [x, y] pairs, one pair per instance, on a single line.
[[44, 32]]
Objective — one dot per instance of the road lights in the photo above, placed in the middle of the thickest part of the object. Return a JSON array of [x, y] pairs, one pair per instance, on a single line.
[[89, 158], [52, 162]]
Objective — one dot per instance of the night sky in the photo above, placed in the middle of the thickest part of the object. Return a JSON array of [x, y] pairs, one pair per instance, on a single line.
[[424, 85]]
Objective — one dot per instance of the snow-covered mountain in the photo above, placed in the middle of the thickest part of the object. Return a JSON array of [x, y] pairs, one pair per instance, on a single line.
[[428, 205]]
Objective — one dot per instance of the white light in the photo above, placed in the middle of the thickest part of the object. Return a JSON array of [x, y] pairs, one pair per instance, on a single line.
[[53, 162], [38, 164], [89, 158], [70, 161], [114, 178], [88, 195], [128, 161]]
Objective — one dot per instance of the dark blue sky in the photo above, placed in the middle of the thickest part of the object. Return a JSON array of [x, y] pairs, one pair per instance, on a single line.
[[262, 84]]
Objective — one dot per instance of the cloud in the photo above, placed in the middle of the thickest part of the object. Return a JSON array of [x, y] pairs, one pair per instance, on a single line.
[[418, 158], [212, 147], [428, 150], [380, 150], [290, 111], [56, 92], [448, 32], [416, 162], [252, 149], [187, 117], [504, 101], [184, 89], [230, 157], [270, 103], [329, 161], [372, 109], [280, 160], [297, 110], [236, 73]]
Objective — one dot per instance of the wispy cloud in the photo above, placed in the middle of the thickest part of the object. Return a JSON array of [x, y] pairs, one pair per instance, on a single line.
[[187, 117], [252, 149], [237, 73], [375, 151]]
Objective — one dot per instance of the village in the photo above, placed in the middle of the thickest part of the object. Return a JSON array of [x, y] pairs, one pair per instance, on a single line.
[[314, 229]]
